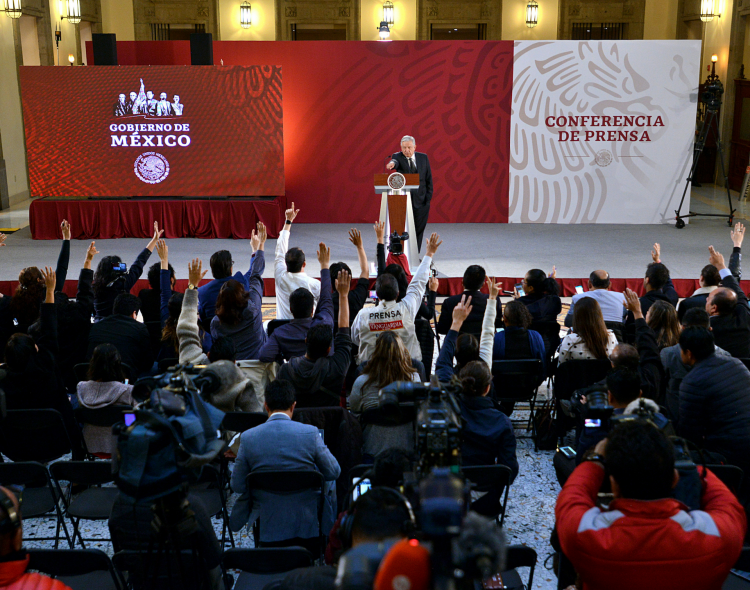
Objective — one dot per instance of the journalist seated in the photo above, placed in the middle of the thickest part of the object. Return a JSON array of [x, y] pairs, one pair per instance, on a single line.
[[645, 539], [378, 515], [13, 560], [282, 444], [622, 397]]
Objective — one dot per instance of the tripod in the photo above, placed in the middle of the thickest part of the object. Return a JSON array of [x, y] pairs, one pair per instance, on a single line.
[[712, 99]]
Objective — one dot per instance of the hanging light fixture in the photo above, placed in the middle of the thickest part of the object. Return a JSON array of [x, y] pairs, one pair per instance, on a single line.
[[384, 31], [12, 8], [74, 11], [707, 11], [532, 14], [388, 14], [246, 16]]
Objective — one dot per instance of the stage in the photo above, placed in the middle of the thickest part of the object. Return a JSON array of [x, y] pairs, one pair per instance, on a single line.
[[506, 251]]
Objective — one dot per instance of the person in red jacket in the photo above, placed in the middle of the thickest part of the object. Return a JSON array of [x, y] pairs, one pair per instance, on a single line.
[[13, 561], [646, 539]]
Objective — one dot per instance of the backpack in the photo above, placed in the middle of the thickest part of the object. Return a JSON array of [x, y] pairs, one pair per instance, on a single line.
[[545, 427]]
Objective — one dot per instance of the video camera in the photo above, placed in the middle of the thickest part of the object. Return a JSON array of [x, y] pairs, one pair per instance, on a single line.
[[713, 90], [396, 242], [169, 437]]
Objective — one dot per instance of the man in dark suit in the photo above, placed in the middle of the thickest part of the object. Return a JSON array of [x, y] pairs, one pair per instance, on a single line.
[[474, 277], [730, 315], [409, 161], [125, 333]]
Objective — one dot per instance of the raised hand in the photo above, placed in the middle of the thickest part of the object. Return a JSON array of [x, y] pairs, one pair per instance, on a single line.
[[3, 237], [65, 227], [553, 274], [196, 272], [50, 279], [90, 253], [632, 303], [380, 231], [163, 251], [262, 233], [494, 288], [324, 255], [738, 234], [254, 241], [156, 236], [433, 284], [291, 214], [461, 312], [355, 237], [716, 258], [656, 253], [433, 244], [343, 283]]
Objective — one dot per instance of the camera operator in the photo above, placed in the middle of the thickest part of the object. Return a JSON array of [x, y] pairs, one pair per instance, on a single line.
[[623, 388], [645, 539]]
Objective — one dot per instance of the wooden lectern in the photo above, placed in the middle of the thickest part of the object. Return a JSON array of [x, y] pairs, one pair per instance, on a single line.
[[396, 211]]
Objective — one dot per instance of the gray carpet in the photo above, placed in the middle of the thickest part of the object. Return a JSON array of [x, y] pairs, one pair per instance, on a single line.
[[504, 250]]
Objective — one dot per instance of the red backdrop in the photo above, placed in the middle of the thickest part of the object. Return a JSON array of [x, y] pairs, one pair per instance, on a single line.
[[348, 103], [76, 128]]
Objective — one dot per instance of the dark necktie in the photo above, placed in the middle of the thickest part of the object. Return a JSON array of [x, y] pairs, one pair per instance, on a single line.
[[412, 167]]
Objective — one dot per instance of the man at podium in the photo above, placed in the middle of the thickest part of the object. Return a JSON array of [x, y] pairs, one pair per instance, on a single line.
[[409, 161]]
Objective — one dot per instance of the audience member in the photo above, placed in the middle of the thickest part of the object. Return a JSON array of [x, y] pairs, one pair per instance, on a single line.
[[110, 281], [674, 369], [151, 297], [128, 335], [542, 298], [281, 444], [464, 347], [714, 398], [610, 302], [390, 362], [517, 341], [357, 296], [105, 387], [289, 270], [318, 379], [729, 311], [658, 287], [222, 267], [377, 516], [623, 393], [14, 563], [645, 539], [239, 311], [393, 315], [31, 378], [662, 319], [474, 278], [590, 338], [708, 281], [288, 340], [426, 309]]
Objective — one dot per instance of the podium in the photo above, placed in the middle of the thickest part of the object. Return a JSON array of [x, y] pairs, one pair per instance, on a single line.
[[396, 211]]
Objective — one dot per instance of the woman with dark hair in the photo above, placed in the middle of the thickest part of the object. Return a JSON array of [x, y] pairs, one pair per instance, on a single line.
[[238, 318], [109, 281], [390, 362], [661, 317], [487, 435], [31, 378], [105, 387], [517, 341], [590, 338], [542, 299]]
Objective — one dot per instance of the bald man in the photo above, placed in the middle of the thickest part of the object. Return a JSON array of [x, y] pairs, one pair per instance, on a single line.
[[730, 315], [611, 302], [13, 561]]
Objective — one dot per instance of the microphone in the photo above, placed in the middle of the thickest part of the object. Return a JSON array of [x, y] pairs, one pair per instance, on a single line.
[[407, 565]]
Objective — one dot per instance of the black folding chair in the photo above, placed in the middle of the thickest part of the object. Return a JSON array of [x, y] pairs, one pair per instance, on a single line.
[[162, 569], [40, 498], [264, 565], [518, 381], [518, 556], [730, 475], [105, 417], [93, 503], [577, 374], [273, 324], [242, 421], [495, 480], [80, 569], [283, 483], [211, 494], [550, 333], [34, 435]]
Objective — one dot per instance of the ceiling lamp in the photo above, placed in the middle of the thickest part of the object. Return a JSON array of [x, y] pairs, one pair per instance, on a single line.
[[707, 11], [532, 14], [388, 15], [74, 11], [246, 17]]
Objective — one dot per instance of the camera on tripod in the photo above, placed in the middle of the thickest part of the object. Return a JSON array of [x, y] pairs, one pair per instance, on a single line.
[[713, 89], [396, 242]]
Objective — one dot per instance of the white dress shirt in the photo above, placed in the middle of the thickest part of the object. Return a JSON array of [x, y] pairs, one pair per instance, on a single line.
[[288, 282]]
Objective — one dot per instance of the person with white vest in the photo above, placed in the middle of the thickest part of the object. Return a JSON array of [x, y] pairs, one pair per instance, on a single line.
[[392, 315]]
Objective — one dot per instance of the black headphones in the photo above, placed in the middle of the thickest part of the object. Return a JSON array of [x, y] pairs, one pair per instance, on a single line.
[[347, 521], [13, 519]]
